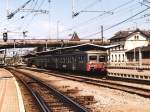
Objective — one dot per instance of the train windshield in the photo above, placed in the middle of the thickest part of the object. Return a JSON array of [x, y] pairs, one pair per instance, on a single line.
[[102, 58], [93, 58]]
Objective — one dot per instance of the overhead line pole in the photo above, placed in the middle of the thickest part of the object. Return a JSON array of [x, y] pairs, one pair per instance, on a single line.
[[57, 30], [102, 34], [49, 19], [73, 12]]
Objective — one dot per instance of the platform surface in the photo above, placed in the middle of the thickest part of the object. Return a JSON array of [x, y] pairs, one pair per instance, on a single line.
[[10, 95], [130, 71]]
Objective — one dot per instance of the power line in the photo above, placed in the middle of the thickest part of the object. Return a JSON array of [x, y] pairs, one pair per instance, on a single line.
[[18, 19], [32, 18], [90, 5], [119, 22], [91, 19]]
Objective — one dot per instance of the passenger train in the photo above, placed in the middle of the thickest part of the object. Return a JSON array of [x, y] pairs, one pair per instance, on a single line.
[[89, 60]]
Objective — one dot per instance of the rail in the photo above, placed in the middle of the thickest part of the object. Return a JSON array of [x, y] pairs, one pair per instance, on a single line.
[[66, 100], [144, 92]]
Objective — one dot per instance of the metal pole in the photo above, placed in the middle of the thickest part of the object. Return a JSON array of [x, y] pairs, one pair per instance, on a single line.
[[49, 18], [134, 56], [140, 58], [5, 57], [72, 8], [57, 30], [7, 10], [14, 52], [102, 33], [46, 46]]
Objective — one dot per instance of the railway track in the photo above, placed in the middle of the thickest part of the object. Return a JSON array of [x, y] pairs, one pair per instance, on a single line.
[[127, 87], [47, 97]]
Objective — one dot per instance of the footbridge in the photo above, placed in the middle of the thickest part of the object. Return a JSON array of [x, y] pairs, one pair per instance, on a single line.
[[26, 43]]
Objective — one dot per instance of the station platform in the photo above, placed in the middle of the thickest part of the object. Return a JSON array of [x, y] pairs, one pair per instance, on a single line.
[[10, 94], [130, 73]]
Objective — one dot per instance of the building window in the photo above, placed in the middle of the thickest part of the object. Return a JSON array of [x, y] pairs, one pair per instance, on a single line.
[[136, 37], [122, 57], [119, 58], [123, 47], [115, 58], [112, 58]]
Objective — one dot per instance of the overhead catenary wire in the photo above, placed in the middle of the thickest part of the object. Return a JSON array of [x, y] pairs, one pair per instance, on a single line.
[[119, 23], [104, 21], [90, 5], [33, 16], [94, 18], [16, 20]]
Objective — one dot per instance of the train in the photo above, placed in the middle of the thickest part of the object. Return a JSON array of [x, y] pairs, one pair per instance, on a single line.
[[87, 60]]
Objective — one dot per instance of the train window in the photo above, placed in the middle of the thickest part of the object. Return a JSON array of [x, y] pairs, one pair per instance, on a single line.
[[102, 58], [93, 58], [79, 58], [82, 58]]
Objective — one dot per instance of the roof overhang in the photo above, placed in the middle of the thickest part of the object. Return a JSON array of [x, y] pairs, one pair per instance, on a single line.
[[143, 49], [81, 47]]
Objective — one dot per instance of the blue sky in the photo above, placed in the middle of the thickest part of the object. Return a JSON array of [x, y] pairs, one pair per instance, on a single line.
[[86, 24]]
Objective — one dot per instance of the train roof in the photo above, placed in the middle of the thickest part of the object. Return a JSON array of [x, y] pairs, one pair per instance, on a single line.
[[81, 47]]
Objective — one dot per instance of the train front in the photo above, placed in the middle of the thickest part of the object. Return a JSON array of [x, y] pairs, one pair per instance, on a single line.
[[97, 64]]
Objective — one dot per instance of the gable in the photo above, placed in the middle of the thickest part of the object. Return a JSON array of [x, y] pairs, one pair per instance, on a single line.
[[124, 35], [136, 36]]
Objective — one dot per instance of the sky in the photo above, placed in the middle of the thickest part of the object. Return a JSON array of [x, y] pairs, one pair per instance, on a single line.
[[112, 14]]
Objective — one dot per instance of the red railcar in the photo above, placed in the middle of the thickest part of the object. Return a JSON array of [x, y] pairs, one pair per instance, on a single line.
[[79, 61], [89, 58]]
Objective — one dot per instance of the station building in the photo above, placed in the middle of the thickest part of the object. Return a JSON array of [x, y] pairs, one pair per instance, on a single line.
[[145, 51], [133, 44]]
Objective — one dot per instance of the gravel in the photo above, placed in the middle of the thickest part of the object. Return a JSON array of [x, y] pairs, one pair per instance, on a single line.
[[108, 100]]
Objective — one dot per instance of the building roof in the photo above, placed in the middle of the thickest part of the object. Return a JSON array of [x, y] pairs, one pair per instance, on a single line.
[[75, 37], [82, 47], [125, 34]]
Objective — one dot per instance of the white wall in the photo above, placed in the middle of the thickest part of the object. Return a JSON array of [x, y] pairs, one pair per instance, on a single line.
[[132, 43], [117, 57]]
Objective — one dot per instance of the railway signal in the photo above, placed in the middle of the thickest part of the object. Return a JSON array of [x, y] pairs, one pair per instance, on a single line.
[[5, 36]]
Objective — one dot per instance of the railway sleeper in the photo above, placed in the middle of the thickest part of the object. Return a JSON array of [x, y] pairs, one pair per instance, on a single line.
[[72, 91], [85, 100]]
